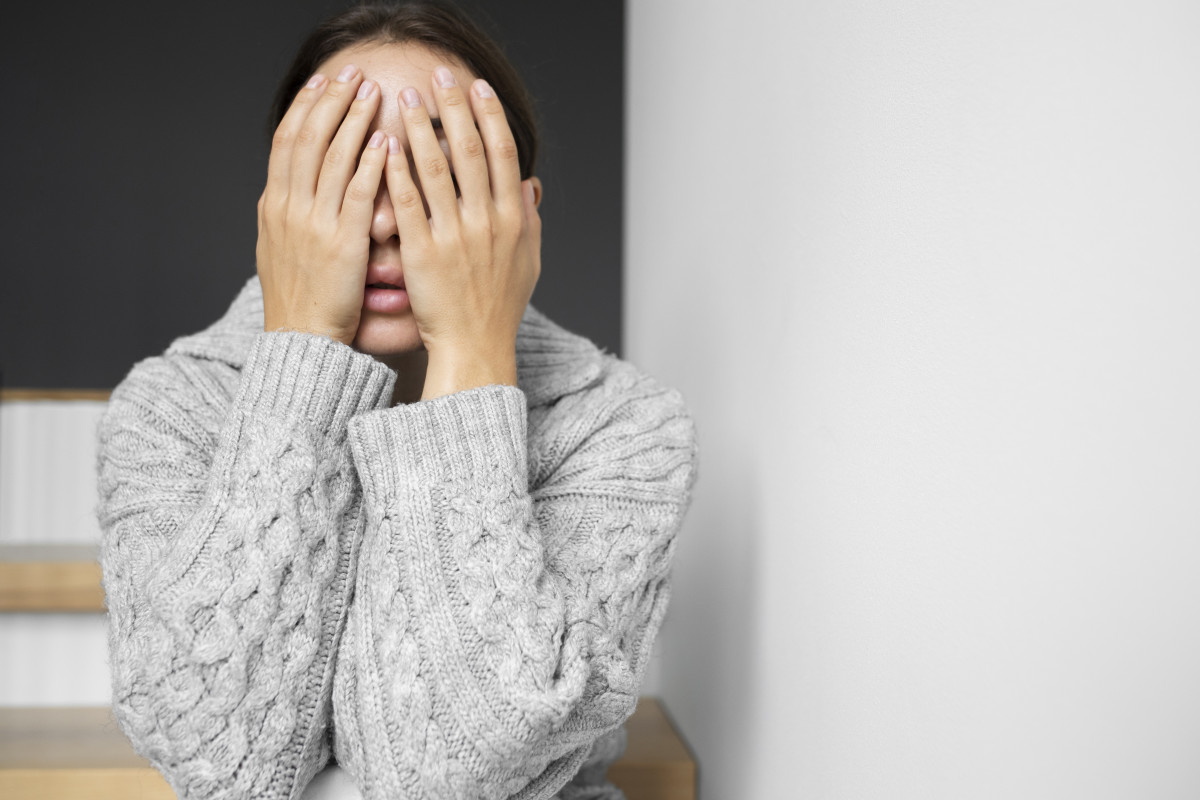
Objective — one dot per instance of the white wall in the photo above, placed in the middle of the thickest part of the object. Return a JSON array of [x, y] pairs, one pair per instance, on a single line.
[[929, 276]]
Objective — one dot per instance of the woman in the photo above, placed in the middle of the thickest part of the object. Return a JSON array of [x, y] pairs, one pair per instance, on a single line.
[[425, 531]]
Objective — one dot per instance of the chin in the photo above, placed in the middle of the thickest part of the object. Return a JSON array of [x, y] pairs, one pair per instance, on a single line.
[[379, 335]]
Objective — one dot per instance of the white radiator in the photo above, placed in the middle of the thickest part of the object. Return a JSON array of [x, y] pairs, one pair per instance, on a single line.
[[48, 495], [48, 470]]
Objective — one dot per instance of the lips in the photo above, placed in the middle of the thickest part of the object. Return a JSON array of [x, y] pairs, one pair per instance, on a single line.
[[385, 276]]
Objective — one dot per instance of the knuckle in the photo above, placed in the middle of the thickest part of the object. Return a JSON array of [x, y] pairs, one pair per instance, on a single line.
[[307, 136], [485, 226], [358, 192], [334, 157], [452, 99], [337, 89], [407, 200], [282, 138], [511, 216], [270, 210], [434, 166], [293, 216], [506, 149], [471, 147]]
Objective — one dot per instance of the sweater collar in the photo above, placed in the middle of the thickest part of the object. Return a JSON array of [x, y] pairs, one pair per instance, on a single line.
[[551, 361]]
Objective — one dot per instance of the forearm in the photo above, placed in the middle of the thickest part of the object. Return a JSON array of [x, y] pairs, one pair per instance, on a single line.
[[427, 659], [497, 628], [228, 563]]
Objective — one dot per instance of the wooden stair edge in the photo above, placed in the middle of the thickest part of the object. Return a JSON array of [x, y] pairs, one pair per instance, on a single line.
[[49, 551], [15, 394], [51, 576], [68, 751]]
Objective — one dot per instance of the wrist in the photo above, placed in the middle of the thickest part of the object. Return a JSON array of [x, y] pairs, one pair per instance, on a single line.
[[456, 370]]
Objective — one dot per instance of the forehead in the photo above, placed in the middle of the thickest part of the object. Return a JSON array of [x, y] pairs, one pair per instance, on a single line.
[[394, 66]]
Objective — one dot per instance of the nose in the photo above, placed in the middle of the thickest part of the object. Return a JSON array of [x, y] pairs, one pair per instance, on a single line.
[[383, 218]]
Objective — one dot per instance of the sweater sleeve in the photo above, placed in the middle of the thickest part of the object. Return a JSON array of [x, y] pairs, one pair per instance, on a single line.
[[497, 632], [229, 533]]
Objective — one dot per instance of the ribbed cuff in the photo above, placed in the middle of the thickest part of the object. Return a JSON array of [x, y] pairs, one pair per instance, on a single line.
[[312, 378], [464, 436]]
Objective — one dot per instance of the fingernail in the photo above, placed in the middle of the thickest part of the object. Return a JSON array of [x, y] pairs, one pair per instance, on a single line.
[[444, 77], [376, 139], [315, 81], [393, 144], [365, 90], [347, 73], [483, 89], [411, 98]]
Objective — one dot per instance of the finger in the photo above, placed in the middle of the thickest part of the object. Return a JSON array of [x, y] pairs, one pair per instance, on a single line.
[[407, 204], [359, 204], [468, 163], [432, 167], [342, 156], [284, 140], [312, 141], [504, 168]]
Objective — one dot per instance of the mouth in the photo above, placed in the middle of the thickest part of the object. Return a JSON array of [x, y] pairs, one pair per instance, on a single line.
[[382, 275]]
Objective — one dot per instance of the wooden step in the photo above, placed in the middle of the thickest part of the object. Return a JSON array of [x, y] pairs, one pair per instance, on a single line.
[[72, 752], [50, 577], [13, 394], [657, 764]]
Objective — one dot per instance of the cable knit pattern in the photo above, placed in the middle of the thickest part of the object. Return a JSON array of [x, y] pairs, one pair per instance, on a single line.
[[226, 551], [456, 598], [476, 664]]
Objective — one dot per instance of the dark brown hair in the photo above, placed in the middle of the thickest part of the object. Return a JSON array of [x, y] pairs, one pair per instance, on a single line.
[[439, 25]]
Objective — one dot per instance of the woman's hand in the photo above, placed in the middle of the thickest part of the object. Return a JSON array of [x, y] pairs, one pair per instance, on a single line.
[[314, 215], [471, 267]]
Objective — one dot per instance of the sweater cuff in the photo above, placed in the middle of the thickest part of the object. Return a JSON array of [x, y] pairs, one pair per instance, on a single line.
[[463, 436], [310, 378]]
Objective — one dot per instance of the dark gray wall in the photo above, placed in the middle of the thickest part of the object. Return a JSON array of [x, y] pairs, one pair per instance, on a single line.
[[134, 155]]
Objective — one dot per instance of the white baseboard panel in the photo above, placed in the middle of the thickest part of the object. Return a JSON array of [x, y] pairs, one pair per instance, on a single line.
[[48, 471], [54, 659]]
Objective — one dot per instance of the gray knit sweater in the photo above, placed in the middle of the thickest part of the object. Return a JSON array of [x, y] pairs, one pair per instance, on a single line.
[[455, 598]]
